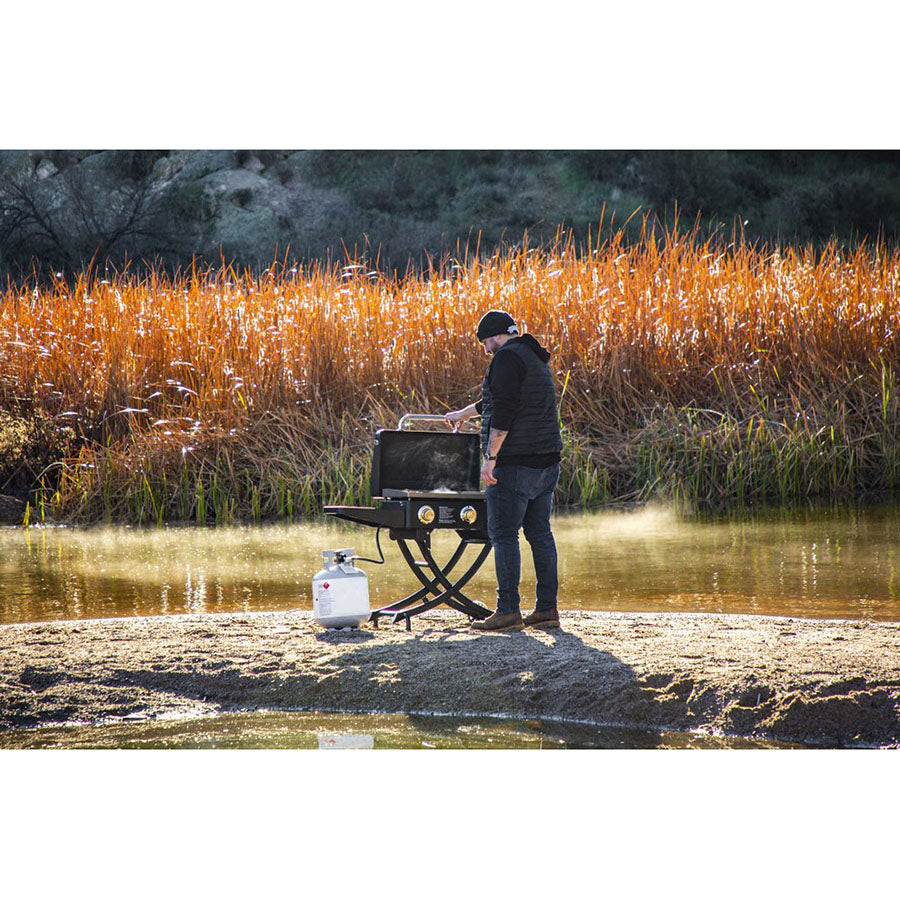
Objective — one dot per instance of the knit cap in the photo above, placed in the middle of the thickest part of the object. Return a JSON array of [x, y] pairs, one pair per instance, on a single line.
[[496, 322]]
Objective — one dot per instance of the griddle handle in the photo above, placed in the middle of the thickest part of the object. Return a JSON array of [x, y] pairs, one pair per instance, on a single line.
[[419, 417]]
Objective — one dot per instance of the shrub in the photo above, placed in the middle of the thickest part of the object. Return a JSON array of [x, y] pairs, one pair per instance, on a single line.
[[29, 448]]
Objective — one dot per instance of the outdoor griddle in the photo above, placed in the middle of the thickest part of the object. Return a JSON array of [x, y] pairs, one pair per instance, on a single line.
[[422, 481]]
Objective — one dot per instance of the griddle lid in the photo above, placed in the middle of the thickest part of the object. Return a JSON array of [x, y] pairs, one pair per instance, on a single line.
[[425, 461]]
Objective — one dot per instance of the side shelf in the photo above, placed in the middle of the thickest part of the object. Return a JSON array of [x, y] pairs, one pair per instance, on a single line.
[[388, 515]]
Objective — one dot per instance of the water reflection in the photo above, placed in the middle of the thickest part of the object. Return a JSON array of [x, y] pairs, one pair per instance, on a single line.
[[345, 741], [309, 731], [822, 563]]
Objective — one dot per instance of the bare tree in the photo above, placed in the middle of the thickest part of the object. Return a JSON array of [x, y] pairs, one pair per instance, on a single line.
[[109, 223], [27, 227], [76, 216]]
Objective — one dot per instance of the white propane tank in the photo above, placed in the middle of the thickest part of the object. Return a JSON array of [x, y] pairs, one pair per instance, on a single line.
[[340, 591]]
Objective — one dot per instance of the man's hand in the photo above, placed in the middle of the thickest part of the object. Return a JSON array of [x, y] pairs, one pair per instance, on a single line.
[[457, 417], [487, 471]]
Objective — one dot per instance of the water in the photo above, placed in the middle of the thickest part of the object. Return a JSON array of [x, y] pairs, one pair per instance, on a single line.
[[323, 731], [816, 563]]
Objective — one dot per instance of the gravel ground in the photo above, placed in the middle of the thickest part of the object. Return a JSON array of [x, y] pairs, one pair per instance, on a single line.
[[822, 683]]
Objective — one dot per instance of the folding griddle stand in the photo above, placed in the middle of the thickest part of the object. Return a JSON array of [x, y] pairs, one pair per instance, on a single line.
[[423, 481]]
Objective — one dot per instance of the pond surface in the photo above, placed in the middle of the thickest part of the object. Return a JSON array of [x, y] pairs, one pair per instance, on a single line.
[[326, 731], [818, 563]]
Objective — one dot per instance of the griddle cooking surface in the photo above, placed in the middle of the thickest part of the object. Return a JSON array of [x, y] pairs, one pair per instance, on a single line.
[[395, 494]]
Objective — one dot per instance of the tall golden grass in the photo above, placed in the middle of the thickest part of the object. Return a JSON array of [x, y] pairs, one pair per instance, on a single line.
[[696, 369]]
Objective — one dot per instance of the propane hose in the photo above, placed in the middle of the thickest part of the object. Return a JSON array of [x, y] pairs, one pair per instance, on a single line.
[[378, 562]]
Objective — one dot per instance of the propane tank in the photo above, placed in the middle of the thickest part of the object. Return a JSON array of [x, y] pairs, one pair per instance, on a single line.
[[340, 591]]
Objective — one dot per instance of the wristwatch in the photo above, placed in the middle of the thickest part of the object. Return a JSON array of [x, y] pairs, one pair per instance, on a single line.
[[491, 457]]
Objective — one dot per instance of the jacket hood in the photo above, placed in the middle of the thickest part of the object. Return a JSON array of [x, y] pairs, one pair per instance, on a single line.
[[532, 344]]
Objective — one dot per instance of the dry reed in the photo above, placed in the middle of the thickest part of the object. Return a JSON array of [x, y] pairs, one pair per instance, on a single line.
[[699, 370]]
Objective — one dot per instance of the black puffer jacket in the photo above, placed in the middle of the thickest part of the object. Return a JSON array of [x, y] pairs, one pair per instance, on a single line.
[[518, 396]]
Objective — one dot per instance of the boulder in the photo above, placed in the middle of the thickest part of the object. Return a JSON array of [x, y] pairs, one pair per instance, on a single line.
[[248, 215], [253, 164], [45, 169], [198, 164], [19, 164]]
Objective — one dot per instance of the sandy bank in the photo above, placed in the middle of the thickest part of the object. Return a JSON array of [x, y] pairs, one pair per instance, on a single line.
[[824, 683]]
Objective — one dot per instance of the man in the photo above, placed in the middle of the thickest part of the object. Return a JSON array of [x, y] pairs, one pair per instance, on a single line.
[[521, 444]]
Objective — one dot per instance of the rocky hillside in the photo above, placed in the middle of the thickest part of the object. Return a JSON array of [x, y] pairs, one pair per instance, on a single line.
[[66, 207], [167, 205]]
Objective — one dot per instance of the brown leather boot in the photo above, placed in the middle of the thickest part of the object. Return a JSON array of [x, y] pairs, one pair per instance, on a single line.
[[543, 618], [500, 622]]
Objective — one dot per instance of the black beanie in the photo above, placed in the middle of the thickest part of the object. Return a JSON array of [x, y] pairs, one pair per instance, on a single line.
[[496, 322]]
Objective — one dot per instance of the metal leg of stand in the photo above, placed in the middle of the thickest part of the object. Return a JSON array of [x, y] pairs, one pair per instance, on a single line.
[[451, 595], [431, 586], [431, 603], [439, 584], [452, 589]]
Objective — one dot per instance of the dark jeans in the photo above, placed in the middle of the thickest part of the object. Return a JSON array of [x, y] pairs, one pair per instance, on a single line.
[[522, 498]]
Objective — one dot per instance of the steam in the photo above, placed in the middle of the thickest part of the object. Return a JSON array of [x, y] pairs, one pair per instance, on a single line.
[[648, 522]]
